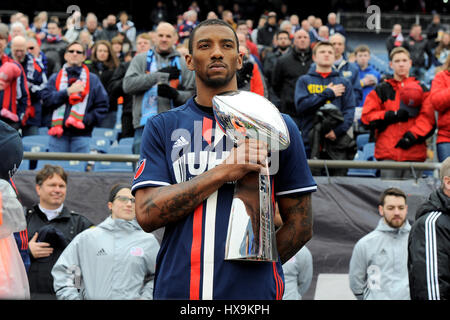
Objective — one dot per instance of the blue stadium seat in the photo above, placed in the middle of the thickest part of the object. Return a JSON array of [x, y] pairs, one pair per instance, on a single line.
[[369, 151], [361, 140], [106, 133], [37, 143], [107, 166], [120, 149], [24, 165], [99, 144], [126, 142], [366, 154], [68, 165]]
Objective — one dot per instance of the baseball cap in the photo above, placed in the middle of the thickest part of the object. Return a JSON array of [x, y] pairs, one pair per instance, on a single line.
[[411, 96], [11, 149]]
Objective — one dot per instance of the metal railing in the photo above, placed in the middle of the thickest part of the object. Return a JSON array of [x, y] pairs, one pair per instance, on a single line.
[[335, 164]]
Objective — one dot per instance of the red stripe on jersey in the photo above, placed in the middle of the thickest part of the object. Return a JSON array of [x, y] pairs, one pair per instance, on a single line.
[[275, 273], [196, 249], [207, 129]]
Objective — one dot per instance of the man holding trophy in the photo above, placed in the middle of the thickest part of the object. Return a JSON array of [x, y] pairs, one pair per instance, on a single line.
[[210, 174]]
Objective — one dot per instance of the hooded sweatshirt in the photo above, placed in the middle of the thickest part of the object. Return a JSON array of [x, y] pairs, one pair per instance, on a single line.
[[378, 266], [113, 261], [312, 92]]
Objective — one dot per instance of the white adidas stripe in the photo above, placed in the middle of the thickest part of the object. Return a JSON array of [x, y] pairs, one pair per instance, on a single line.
[[208, 247], [431, 256]]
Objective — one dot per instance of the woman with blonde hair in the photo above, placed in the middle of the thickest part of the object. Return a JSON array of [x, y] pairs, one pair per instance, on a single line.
[[442, 51], [103, 63], [440, 99]]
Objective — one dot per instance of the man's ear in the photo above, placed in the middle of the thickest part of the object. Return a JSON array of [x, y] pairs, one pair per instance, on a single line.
[[380, 210], [240, 60], [189, 62]]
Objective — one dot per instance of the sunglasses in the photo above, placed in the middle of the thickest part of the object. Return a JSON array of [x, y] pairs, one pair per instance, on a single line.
[[125, 199], [30, 48], [75, 51]]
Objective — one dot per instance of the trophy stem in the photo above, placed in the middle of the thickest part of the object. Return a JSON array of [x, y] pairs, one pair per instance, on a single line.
[[251, 229]]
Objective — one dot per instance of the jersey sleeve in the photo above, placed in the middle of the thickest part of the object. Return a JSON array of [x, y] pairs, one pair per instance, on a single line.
[[153, 170], [294, 175]]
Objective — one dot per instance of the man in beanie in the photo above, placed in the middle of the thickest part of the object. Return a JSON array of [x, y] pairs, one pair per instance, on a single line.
[[51, 226], [400, 118], [13, 276]]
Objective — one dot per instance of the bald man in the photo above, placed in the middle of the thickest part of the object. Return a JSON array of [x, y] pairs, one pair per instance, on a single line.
[[158, 79], [346, 69], [288, 69], [36, 81], [334, 26]]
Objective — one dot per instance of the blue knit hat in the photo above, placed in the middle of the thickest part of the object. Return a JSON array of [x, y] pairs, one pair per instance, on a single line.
[[11, 151]]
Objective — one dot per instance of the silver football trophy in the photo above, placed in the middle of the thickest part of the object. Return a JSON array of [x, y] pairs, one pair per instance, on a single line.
[[251, 228]]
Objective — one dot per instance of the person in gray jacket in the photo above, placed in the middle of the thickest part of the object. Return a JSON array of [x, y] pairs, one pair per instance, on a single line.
[[158, 80], [113, 261], [298, 272], [378, 266]]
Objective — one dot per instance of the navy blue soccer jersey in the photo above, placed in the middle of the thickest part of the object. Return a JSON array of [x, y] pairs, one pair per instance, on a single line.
[[177, 146]]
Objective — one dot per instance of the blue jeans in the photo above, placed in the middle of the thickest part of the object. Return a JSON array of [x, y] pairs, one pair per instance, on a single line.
[[69, 144], [418, 73], [137, 140], [443, 150]]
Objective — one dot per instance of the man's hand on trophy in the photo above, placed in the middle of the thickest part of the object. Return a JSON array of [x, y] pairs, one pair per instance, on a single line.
[[249, 156]]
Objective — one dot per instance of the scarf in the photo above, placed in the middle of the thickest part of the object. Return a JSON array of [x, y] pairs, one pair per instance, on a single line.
[[78, 102], [149, 106], [9, 103], [51, 38]]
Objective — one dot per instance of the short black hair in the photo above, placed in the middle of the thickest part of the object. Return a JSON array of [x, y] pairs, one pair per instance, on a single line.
[[285, 32], [211, 22]]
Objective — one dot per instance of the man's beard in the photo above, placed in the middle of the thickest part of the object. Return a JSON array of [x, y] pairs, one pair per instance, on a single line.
[[217, 82], [397, 223]]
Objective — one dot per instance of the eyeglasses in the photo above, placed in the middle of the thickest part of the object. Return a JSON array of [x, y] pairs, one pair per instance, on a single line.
[[75, 51], [125, 199]]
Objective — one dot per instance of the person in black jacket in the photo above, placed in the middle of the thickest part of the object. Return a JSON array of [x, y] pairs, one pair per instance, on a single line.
[[288, 68], [428, 244], [51, 226], [417, 45], [267, 32], [103, 63]]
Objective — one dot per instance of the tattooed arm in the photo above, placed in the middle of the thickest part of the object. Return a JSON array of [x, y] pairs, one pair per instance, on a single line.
[[159, 206], [296, 213]]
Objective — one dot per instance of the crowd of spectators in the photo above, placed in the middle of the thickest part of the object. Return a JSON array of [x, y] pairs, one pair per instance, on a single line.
[[278, 57]]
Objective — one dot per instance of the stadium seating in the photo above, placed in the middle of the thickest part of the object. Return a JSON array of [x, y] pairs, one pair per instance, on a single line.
[[106, 133], [108, 166], [365, 154], [37, 143], [68, 165], [126, 142], [120, 149], [24, 165], [99, 144], [362, 140]]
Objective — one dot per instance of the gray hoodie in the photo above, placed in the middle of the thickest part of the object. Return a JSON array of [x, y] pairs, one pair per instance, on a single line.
[[378, 266], [113, 261], [137, 82]]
